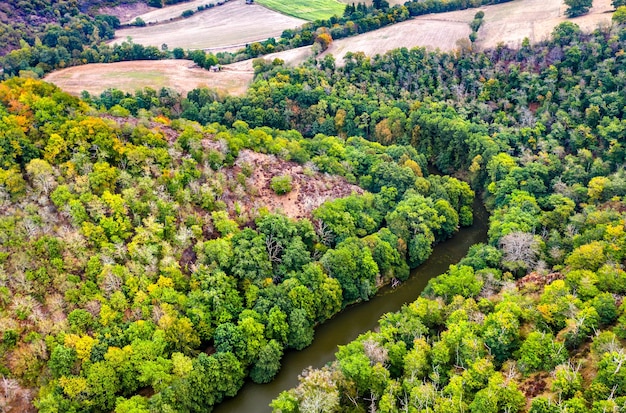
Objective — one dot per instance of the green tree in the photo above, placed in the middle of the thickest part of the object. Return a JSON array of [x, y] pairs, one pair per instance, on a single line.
[[267, 363], [501, 334], [250, 257], [136, 404], [62, 361], [619, 16], [459, 280], [351, 263], [577, 7], [300, 330], [540, 352]]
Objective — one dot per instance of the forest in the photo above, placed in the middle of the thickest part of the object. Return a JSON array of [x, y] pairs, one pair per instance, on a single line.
[[532, 321], [139, 273], [130, 261]]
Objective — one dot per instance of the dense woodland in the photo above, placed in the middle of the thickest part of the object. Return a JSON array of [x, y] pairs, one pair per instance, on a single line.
[[122, 268], [534, 320], [134, 279]]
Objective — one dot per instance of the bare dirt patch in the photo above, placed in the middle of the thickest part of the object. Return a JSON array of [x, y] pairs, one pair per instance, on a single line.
[[233, 24], [181, 75], [310, 189]]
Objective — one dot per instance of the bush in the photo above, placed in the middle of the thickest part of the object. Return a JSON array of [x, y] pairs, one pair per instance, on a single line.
[[281, 184], [139, 22]]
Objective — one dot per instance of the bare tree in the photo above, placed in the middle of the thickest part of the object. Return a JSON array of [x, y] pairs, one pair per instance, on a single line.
[[521, 250]]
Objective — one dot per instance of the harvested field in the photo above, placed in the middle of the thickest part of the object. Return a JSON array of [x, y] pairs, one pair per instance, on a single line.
[[430, 33], [232, 24], [126, 12], [508, 23], [181, 75], [511, 22], [154, 15]]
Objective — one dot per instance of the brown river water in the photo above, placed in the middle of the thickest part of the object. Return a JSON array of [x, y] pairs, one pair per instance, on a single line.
[[357, 319]]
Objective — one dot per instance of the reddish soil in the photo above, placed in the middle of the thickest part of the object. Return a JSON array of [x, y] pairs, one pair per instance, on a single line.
[[310, 189]]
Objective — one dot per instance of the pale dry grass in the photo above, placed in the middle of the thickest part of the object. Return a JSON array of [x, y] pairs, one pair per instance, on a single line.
[[181, 75], [431, 33], [510, 23], [155, 15], [232, 24]]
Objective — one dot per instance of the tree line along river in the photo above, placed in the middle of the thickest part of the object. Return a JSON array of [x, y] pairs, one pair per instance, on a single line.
[[357, 319]]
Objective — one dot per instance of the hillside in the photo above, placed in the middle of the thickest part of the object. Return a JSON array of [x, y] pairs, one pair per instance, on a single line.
[[23, 21], [159, 249], [132, 247]]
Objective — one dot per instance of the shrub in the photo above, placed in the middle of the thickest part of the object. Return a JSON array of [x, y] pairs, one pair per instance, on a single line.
[[281, 184]]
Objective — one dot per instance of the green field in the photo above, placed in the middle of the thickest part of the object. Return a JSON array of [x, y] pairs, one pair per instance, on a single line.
[[306, 9]]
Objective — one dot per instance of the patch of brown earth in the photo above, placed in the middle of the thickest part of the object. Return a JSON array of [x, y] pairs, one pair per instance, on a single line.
[[310, 188]]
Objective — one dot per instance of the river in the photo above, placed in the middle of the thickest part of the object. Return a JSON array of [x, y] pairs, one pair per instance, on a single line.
[[357, 319]]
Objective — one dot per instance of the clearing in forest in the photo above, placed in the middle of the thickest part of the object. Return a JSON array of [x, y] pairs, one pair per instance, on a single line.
[[306, 9], [310, 188], [181, 75], [232, 24]]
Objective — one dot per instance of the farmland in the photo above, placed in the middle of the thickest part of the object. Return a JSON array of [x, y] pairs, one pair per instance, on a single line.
[[155, 15], [434, 31], [234, 23], [507, 23], [306, 9], [181, 75]]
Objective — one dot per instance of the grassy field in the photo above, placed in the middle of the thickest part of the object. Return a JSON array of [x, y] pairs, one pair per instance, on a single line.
[[369, 2], [306, 9]]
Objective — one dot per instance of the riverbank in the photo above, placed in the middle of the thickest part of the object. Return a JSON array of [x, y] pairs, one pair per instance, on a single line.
[[357, 319]]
